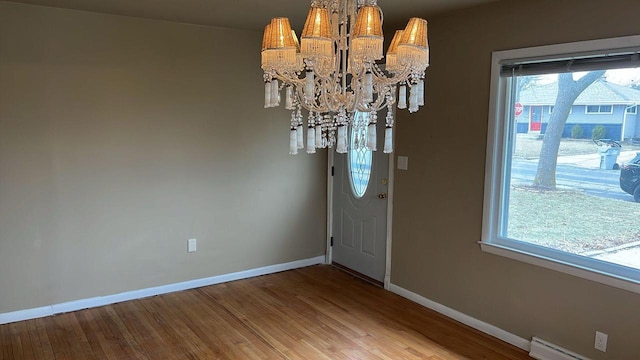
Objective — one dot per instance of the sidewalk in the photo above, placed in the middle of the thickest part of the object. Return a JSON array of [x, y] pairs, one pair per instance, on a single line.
[[592, 161], [627, 257]]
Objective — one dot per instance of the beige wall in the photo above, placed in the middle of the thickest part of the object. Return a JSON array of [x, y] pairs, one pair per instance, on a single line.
[[438, 202], [120, 138]]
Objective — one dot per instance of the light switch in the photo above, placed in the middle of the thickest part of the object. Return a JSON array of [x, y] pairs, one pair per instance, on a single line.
[[403, 163], [191, 245]]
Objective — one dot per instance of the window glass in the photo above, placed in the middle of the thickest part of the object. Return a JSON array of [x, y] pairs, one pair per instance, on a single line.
[[553, 191], [593, 108], [360, 157], [600, 109], [570, 199]]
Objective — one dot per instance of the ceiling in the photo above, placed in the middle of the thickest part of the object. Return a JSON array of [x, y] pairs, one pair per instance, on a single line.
[[245, 14]]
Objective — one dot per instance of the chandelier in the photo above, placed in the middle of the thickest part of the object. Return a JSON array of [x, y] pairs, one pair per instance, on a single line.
[[333, 73]]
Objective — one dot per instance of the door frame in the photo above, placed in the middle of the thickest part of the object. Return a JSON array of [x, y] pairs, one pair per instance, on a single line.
[[391, 179], [531, 117]]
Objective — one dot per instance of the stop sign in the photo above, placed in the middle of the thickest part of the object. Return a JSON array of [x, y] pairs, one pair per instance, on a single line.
[[519, 108]]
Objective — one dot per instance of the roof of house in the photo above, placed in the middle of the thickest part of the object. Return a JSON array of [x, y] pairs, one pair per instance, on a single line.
[[600, 92]]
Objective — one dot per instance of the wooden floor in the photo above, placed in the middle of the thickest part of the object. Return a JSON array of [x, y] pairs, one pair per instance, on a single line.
[[317, 312]]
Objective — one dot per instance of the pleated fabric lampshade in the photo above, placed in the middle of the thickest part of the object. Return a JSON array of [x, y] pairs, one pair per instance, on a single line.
[[279, 46], [392, 64], [367, 42], [316, 36], [413, 47]]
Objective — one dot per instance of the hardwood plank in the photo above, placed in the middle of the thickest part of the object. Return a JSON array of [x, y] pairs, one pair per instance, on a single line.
[[6, 347], [220, 332], [317, 312], [134, 318], [66, 334], [23, 340], [45, 349], [103, 336]]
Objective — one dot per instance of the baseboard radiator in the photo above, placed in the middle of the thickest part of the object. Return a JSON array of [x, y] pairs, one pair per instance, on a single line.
[[544, 350]]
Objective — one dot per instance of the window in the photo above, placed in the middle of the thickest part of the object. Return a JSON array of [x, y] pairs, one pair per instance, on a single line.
[[632, 109], [571, 215], [360, 157], [599, 109]]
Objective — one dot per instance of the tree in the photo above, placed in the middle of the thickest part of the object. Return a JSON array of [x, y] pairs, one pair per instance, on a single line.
[[524, 83], [568, 91]]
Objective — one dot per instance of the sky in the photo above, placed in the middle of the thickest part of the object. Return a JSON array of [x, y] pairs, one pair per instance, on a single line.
[[624, 77]]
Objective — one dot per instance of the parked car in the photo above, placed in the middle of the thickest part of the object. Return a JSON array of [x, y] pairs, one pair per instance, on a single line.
[[630, 177]]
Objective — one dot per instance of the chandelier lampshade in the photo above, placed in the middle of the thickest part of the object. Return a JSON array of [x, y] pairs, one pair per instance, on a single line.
[[299, 58], [266, 37], [413, 50], [392, 65], [413, 45], [368, 40], [415, 34], [316, 36], [281, 36], [333, 74], [279, 46]]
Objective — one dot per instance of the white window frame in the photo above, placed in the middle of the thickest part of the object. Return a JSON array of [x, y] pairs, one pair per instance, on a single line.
[[599, 112], [634, 108], [498, 163]]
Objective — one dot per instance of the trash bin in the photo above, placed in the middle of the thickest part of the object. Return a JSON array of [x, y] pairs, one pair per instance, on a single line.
[[608, 150]]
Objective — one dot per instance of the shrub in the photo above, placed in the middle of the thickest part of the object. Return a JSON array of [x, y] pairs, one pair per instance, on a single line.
[[577, 132], [598, 132]]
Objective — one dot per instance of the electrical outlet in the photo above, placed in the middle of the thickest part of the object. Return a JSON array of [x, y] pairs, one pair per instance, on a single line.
[[601, 341], [191, 245]]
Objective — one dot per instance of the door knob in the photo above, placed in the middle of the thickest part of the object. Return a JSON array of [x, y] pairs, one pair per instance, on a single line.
[[382, 196]]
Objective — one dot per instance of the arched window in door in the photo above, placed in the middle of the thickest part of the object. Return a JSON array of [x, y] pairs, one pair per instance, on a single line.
[[360, 157]]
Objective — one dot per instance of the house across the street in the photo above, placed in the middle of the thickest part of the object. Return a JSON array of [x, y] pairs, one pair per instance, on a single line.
[[613, 106]]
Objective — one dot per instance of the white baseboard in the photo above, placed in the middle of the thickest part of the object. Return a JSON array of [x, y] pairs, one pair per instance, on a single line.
[[486, 328], [39, 312]]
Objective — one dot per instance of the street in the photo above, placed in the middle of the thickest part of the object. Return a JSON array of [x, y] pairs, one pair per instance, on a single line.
[[593, 181]]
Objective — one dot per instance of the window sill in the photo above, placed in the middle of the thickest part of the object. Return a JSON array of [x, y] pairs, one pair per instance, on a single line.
[[567, 268]]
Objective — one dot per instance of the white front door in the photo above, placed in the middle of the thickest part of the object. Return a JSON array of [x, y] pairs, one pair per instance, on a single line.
[[360, 187]]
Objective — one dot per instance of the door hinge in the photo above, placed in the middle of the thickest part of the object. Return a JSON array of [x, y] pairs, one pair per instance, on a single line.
[[333, 170], [332, 241]]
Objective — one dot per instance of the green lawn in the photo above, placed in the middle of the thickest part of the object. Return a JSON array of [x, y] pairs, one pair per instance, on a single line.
[[571, 221]]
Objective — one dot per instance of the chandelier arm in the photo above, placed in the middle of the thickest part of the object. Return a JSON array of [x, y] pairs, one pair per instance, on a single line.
[[287, 79], [380, 101], [377, 72], [328, 101], [395, 79], [356, 87], [321, 69], [301, 98], [361, 108], [357, 96], [376, 105]]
